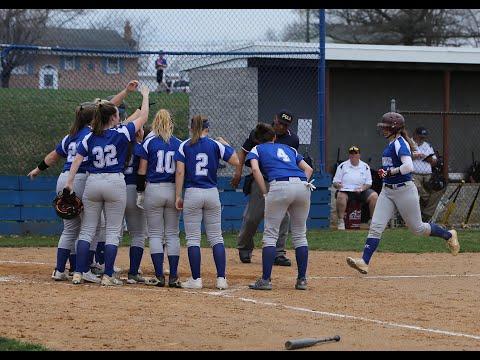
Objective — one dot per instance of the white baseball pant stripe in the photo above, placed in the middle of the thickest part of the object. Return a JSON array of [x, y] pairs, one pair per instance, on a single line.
[[202, 204], [71, 227], [135, 218], [287, 196], [107, 192], [406, 200], [162, 218]]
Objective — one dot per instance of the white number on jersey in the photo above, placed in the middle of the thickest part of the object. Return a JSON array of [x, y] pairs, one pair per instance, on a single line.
[[202, 159], [72, 151], [281, 154], [105, 156], [165, 162]]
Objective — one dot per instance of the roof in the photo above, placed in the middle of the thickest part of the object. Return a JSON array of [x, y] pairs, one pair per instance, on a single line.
[[349, 52], [83, 39]]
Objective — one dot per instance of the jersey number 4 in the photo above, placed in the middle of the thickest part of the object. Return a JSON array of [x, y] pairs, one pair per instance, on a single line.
[[281, 155], [165, 163], [105, 156]]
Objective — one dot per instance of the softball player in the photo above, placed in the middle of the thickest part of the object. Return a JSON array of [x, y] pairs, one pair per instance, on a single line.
[[158, 168], [197, 164], [398, 192], [287, 174], [67, 148], [106, 147]]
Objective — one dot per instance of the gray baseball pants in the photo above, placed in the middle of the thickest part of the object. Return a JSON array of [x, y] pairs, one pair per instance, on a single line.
[[162, 218], [135, 218], [203, 204], [406, 200], [287, 196], [253, 215], [107, 192]]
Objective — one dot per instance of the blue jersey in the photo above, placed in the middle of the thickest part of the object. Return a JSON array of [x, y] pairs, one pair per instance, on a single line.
[[391, 158], [130, 171], [277, 161], [201, 161], [107, 153], [67, 148], [159, 155]]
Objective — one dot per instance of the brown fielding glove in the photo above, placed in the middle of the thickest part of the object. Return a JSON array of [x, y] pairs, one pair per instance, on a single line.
[[67, 206]]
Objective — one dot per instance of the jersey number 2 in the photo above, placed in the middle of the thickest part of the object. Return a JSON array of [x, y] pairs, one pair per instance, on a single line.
[[202, 162], [281, 154]]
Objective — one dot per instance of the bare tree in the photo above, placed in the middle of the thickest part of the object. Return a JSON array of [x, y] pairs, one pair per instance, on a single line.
[[26, 27]]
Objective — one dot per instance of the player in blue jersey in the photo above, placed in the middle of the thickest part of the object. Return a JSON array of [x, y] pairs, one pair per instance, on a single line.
[[67, 149], [106, 147], [157, 197], [197, 160], [288, 174], [398, 192]]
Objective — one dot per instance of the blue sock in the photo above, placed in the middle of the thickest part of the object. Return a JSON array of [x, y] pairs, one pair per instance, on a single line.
[[438, 231], [91, 255], [301, 254], [72, 259], [194, 258], [173, 263], [82, 256], [62, 257], [268, 257], [220, 259], [370, 246], [110, 255], [157, 260], [100, 253], [136, 254]]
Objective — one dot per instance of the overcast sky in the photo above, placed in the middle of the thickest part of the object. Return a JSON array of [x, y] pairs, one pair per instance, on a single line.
[[168, 28]]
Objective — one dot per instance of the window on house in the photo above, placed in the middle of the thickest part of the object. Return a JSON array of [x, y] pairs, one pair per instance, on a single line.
[[20, 70], [113, 66], [69, 63]]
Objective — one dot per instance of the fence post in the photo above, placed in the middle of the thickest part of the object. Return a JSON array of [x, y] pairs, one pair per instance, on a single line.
[[392, 105], [321, 90], [446, 109]]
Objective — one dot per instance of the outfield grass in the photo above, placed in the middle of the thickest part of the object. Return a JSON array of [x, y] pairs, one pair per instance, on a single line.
[[396, 240], [34, 121], [14, 345]]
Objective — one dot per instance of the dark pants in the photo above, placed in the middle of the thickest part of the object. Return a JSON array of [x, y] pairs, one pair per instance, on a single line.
[[159, 76]]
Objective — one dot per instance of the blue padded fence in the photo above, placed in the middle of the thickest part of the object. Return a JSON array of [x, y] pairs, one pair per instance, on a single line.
[[26, 205]]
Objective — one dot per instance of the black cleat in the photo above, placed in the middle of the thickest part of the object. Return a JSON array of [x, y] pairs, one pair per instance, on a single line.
[[282, 261]]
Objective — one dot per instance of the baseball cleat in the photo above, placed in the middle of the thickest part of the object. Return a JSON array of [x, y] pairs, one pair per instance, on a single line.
[[341, 225], [156, 281], [358, 264], [453, 243], [174, 281], [222, 283], [135, 279], [261, 284], [77, 278], [59, 276], [111, 281], [282, 260], [90, 277], [301, 284], [192, 283]]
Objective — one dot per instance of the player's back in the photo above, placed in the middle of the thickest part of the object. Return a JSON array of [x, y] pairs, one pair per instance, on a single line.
[[160, 157]]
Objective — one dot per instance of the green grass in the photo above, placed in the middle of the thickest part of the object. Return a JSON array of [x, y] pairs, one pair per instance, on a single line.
[[14, 345], [34, 121], [397, 241]]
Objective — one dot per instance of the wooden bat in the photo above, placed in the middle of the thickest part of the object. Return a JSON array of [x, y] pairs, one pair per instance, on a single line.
[[470, 210], [452, 204], [306, 342]]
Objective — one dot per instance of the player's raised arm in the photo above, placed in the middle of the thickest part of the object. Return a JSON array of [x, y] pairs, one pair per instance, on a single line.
[[117, 100], [51, 159], [143, 115]]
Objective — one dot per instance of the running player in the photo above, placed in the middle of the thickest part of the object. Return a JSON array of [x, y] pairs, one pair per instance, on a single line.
[[197, 160], [398, 192], [158, 168], [106, 147], [287, 174]]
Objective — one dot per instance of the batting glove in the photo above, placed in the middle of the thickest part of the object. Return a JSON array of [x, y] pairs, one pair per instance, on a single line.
[[384, 173], [140, 199], [310, 186]]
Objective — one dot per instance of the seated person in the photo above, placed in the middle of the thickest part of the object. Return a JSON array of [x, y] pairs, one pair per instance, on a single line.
[[353, 180]]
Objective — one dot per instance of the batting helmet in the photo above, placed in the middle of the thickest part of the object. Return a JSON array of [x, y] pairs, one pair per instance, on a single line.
[[67, 205], [391, 121]]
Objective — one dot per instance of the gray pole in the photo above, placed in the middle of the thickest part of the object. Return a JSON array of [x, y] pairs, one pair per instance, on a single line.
[[392, 105], [321, 90]]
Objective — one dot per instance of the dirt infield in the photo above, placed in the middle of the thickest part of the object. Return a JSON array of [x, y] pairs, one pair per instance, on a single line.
[[407, 302]]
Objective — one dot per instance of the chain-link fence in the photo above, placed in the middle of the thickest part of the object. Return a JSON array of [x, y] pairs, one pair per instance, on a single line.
[[225, 64]]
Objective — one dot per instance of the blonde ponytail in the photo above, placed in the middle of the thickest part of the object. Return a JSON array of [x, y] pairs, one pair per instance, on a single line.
[[162, 125]]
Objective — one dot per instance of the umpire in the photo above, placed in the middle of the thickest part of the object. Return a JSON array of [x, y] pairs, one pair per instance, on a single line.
[[254, 211]]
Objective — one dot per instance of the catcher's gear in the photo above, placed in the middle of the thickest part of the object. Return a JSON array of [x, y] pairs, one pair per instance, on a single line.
[[391, 121], [67, 205]]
